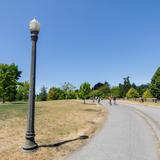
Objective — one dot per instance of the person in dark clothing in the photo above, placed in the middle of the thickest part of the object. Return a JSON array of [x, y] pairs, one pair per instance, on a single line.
[[110, 100], [99, 100], [114, 99]]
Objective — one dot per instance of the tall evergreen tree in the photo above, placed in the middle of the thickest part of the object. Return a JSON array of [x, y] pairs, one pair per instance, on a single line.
[[155, 84], [124, 88], [43, 94]]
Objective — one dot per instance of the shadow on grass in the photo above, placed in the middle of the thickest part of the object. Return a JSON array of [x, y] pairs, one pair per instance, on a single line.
[[90, 103], [19, 102], [92, 110], [63, 142]]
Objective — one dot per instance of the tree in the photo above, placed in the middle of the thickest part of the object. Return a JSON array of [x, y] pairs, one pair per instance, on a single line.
[[124, 88], [43, 94], [134, 86], [142, 88], [115, 91], [132, 93], [69, 90], [68, 87], [98, 85], [155, 84], [147, 94], [84, 91], [23, 91], [101, 90], [56, 94], [9, 75]]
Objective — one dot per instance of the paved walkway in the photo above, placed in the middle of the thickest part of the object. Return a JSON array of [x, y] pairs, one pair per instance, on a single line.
[[126, 135]]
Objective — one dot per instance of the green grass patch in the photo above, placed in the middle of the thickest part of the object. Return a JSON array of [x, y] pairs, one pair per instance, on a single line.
[[10, 110]]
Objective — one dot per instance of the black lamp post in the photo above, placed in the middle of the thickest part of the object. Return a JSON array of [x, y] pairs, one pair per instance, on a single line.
[[30, 143]]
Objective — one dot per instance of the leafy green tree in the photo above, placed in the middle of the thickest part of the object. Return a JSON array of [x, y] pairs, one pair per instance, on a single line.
[[147, 94], [84, 91], [9, 75], [142, 88], [132, 93], [69, 90], [71, 95], [100, 90], [43, 94], [97, 85], [115, 91], [103, 91], [56, 94], [155, 84], [68, 87], [94, 93], [23, 91]]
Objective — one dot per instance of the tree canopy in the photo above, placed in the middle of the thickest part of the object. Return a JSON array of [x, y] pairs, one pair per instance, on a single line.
[[84, 91], [115, 91], [9, 75], [155, 84], [132, 93], [147, 94], [124, 88], [43, 94], [23, 91]]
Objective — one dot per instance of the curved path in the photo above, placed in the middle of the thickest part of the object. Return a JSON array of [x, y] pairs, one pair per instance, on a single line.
[[130, 133]]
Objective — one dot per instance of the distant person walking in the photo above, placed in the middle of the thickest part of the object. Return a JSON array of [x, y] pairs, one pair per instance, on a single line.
[[110, 100], [99, 100], [114, 100], [93, 98]]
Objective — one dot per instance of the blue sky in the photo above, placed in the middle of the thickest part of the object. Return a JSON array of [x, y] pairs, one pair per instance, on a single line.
[[83, 40]]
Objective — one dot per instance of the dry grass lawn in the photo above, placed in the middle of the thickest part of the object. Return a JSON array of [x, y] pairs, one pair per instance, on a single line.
[[149, 104], [56, 121]]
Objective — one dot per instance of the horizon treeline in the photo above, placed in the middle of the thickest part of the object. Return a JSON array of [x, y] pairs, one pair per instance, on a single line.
[[12, 90]]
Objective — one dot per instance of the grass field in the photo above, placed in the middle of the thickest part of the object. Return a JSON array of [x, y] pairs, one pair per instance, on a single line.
[[56, 121], [152, 104]]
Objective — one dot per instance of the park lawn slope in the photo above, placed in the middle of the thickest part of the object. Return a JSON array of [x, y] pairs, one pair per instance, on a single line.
[[147, 104], [56, 121]]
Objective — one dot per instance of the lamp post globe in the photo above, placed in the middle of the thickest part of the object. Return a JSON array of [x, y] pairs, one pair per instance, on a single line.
[[30, 144], [34, 26]]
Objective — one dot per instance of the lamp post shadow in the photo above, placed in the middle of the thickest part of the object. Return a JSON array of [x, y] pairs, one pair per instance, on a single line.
[[63, 142]]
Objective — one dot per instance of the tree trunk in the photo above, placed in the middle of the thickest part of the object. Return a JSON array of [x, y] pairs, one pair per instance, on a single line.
[[3, 99], [84, 101]]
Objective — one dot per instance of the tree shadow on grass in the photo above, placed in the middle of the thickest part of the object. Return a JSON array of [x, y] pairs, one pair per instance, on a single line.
[[92, 110], [19, 102], [64, 142], [90, 103]]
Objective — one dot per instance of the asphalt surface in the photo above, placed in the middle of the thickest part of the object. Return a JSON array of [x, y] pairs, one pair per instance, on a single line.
[[130, 133]]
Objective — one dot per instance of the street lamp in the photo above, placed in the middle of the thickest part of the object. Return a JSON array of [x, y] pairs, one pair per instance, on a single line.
[[30, 143]]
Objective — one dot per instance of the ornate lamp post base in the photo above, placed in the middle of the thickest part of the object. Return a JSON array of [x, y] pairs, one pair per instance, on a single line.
[[30, 146]]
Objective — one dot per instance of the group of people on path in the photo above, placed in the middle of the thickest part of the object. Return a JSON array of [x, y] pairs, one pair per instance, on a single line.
[[110, 98]]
